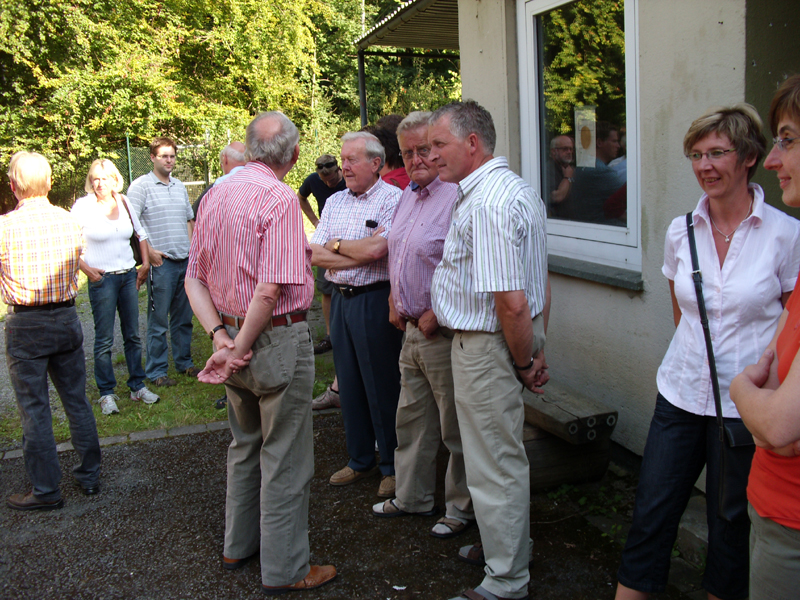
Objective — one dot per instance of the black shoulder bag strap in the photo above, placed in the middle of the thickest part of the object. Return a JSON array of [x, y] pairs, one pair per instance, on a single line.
[[697, 276], [736, 443]]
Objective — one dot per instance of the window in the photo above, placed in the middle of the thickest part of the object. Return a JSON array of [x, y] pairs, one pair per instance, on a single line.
[[579, 125]]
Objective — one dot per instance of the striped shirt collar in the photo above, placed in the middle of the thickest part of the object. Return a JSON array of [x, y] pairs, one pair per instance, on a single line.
[[466, 185], [31, 201], [154, 178]]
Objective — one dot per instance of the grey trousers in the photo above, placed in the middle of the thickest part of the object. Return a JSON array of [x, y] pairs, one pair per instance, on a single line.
[[271, 457], [426, 415], [490, 416]]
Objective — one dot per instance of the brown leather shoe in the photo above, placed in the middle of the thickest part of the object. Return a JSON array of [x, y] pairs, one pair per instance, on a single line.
[[386, 488], [316, 577], [235, 563], [347, 476], [30, 502]]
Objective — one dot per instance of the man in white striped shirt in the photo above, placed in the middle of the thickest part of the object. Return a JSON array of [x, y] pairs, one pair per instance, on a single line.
[[491, 289]]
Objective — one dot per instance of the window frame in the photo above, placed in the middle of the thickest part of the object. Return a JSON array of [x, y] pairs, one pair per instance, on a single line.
[[602, 244]]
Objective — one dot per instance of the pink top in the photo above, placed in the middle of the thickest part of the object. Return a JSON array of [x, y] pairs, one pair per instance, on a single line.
[[250, 231], [416, 243]]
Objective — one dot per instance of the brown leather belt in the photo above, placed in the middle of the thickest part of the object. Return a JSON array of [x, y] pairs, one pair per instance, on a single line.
[[279, 321]]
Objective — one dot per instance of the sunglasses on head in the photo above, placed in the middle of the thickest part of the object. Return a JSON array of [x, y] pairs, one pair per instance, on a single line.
[[327, 165]]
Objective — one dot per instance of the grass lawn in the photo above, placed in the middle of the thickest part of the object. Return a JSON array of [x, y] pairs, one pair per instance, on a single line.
[[188, 403]]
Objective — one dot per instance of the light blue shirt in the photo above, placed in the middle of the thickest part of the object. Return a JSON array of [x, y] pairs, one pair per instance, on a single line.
[[496, 243]]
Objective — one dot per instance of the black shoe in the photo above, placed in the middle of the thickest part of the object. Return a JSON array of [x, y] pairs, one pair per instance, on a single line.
[[221, 403], [323, 346], [91, 490], [30, 502]]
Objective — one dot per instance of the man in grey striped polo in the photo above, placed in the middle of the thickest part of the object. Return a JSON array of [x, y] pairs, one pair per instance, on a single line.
[[491, 289], [162, 205]]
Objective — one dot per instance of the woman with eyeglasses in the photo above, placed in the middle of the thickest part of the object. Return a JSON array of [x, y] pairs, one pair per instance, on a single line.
[[749, 257], [108, 262], [767, 396]]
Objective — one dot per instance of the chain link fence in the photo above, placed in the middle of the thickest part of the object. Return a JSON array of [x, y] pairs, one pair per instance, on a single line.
[[191, 166]]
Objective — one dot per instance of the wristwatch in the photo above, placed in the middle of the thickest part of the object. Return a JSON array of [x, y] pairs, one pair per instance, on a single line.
[[336, 245], [215, 330]]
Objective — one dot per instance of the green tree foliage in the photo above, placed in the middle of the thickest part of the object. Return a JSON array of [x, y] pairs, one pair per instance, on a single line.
[[78, 75], [584, 58]]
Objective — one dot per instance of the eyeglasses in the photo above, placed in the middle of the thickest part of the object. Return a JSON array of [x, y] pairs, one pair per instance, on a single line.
[[783, 144], [715, 154], [421, 152], [327, 165]]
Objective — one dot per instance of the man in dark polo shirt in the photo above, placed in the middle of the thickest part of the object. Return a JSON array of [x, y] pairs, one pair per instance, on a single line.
[[323, 184]]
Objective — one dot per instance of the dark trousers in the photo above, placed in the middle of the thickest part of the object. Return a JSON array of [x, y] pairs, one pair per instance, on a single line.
[[678, 445], [366, 349], [45, 342]]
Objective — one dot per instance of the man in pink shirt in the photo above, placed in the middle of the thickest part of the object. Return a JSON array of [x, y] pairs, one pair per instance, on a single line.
[[426, 413], [250, 284]]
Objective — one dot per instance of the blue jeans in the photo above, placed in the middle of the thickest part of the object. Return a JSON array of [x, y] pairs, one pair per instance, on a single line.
[[37, 343], [678, 445], [168, 306], [116, 292]]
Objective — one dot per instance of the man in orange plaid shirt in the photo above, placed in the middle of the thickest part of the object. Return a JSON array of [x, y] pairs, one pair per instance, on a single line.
[[40, 245]]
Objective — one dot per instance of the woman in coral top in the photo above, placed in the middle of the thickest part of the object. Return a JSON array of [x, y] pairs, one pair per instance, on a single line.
[[767, 396]]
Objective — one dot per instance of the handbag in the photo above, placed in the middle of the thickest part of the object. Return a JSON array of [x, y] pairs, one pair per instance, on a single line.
[[134, 241], [736, 442]]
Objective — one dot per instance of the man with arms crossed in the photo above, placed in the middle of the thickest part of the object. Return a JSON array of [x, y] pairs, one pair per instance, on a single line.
[[426, 413], [162, 205], [250, 284], [490, 287], [350, 241], [40, 246]]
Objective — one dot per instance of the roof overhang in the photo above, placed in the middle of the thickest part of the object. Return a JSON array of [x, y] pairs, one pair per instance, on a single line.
[[431, 24]]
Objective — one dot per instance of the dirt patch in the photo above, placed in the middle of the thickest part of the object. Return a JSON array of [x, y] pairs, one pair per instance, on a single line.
[[156, 532]]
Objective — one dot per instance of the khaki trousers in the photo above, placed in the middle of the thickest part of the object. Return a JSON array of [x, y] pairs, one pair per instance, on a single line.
[[490, 416], [271, 457], [426, 415]]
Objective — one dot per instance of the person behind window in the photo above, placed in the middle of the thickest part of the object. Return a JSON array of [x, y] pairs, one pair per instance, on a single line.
[[749, 256], [767, 395]]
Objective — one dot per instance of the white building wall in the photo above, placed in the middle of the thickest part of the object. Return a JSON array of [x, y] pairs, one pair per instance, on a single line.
[[605, 341]]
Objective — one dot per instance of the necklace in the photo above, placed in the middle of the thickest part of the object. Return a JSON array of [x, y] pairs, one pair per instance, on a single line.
[[728, 236]]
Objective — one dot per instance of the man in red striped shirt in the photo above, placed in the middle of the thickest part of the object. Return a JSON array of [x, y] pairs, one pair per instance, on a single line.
[[250, 284]]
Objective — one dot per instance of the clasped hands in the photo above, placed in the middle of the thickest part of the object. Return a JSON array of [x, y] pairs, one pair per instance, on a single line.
[[537, 376], [225, 361]]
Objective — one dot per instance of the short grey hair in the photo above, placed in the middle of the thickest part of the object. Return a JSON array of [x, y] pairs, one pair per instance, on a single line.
[[414, 121], [468, 117], [232, 154], [276, 150], [372, 145]]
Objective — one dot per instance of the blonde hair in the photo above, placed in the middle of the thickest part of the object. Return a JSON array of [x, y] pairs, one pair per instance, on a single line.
[[30, 173], [109, 168], [740, 124]]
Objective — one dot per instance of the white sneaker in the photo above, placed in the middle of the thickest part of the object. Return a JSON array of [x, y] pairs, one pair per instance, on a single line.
[[145, 396], [108, 404]]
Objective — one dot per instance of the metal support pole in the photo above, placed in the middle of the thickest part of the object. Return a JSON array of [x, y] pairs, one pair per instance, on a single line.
[[362, 88], [130, 170]]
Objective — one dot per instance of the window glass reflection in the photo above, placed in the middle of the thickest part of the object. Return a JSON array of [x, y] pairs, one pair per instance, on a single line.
[[584, 166]]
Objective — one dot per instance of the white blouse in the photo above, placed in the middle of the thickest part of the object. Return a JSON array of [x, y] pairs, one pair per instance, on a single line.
[[742, 301], [107, 241]]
